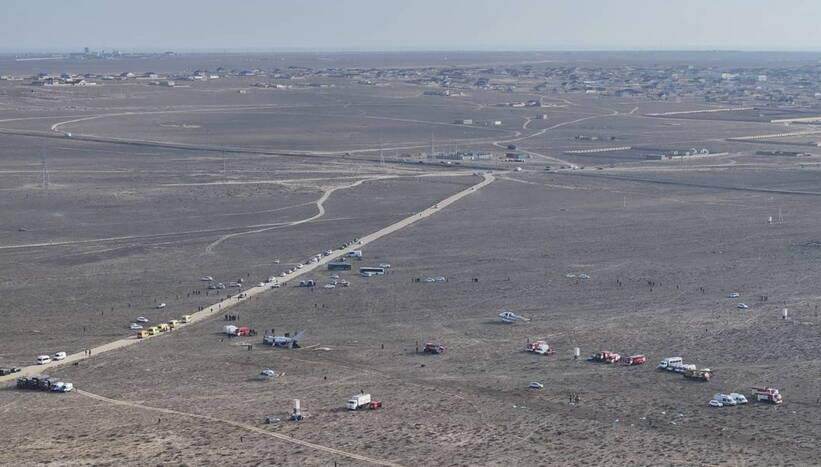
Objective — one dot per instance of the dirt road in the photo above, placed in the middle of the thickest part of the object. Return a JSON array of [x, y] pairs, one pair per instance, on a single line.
[[243, 426], [220, 307]]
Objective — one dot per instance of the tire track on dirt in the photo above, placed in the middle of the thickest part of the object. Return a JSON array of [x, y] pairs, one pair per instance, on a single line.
[[243, 426]]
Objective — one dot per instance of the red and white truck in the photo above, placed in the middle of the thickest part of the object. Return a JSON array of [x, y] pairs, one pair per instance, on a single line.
[[540, 347], [605, 356], [765, 394], [635, 360], [430, 347], [362, 401]]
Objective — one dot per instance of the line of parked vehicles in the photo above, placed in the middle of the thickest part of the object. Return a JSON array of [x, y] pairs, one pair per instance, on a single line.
[[44, 383], [43, 359], [672, 364], [160, 328]]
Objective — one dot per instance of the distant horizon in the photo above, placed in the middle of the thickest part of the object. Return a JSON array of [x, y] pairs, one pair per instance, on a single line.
[[234, 50], [323, 26]]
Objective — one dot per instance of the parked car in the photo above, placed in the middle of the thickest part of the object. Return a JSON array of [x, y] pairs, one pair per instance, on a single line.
[[715, 403], [43, 359], [61, 387], [141, 319], [535, 385], [59, 356]]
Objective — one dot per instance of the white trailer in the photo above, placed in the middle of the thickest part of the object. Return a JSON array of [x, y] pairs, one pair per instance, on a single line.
[[681, 367], [358, 401]]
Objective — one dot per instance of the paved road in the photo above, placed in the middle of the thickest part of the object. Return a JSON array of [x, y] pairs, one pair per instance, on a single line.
[[219, 308]]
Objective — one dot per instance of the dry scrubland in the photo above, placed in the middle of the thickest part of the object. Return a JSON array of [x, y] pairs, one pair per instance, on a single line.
[[122, 227]]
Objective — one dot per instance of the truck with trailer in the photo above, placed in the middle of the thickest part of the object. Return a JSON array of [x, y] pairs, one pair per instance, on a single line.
[[703, 374], [358, 401], [675, 364], [37, 383]]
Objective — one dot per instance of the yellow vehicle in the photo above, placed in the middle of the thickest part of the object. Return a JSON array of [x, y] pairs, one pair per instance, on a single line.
[[142, 334], [186, 318], [153, 330], [164, 327], [173, 323]]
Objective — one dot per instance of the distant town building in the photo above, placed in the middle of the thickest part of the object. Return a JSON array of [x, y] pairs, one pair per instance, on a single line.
[[517, 156], [463, 156]]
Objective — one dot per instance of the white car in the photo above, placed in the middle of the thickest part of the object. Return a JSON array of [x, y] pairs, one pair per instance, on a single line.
[[734, 295], [743, 306], [299, 266], [283, 274], [59, 356], [161, 305], [570, 276], [335, 276], [329, 286], [141, 319], [268, 373], [61, 387], [738, 398], [583, 276], [261, 284], [206, 278], [535, 385], [135, 327], [43, 359], [715, 403]]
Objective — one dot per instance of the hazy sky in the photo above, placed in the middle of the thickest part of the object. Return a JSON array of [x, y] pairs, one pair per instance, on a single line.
[[409, 24]]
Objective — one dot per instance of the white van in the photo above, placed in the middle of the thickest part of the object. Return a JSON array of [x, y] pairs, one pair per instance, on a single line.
[[725, 399], [43, 359]]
